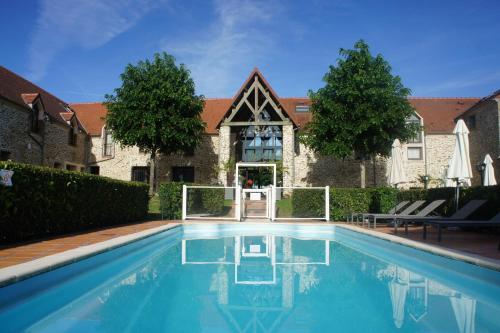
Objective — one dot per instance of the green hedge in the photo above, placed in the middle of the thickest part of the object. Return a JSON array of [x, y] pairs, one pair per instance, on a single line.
[[308, 203], [343, 201], [171, 200], [45, 201], [200, 200], [489, 193]]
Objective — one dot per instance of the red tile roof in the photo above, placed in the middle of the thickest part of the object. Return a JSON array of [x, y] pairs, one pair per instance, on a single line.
[[494, 95], [29, 98], [92, 115], [22, 92], [438, 113]]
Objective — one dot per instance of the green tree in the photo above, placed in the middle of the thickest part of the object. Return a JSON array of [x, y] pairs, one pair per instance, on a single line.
[[156, 109], [361, 109]]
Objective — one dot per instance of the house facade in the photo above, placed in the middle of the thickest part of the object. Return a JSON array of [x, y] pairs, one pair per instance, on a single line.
[[255, 126], [483, 122], [37, 127]]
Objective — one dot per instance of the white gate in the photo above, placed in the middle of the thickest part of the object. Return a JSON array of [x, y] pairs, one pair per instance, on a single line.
[[272, 203]]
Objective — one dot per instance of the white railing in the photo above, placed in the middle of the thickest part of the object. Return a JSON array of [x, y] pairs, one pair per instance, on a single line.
[[239, 202], [274, 199], [236, 197]]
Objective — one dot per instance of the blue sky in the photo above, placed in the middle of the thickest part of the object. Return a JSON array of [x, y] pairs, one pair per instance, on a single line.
[[77, 49]]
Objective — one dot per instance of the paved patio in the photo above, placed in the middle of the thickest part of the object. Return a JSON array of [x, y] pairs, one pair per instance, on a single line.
[[483, 243], [478, 243], [19, 253]]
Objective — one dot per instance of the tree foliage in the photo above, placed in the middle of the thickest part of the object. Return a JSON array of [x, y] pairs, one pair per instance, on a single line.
[[362, 108], [156, 108]]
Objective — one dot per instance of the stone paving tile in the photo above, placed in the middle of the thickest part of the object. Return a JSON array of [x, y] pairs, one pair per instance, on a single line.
[[19, 253], [484, 243]]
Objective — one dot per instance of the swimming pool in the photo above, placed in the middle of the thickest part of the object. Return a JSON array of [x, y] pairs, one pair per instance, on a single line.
[[257, 278]]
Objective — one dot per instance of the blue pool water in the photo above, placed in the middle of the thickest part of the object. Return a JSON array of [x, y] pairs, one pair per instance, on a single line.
[[254, 278]]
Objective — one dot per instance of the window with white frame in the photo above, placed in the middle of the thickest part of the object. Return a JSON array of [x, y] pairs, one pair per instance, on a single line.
[[415, 145], [413, 119], [414, 153], [107, 144]]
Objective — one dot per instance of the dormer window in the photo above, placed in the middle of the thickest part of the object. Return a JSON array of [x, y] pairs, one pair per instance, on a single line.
[[72, 135], [35, 117], [302, 108]]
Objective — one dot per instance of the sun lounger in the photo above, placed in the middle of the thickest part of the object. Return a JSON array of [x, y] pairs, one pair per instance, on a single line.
[[493, 222], [459, 215], [423, 213], [407, 211], [393, 210]]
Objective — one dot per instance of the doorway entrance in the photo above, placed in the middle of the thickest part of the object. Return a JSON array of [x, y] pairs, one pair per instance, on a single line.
[[256, 180]]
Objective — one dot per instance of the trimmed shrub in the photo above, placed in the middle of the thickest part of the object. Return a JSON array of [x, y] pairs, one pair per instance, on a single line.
[[344, 201], [212, 200], [171, 200], [200, 200], [383, 199], [45, 201], [308, 203]]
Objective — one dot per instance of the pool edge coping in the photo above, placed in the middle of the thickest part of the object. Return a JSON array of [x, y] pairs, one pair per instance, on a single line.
[[470, 258], [19, 272], [12, 274]]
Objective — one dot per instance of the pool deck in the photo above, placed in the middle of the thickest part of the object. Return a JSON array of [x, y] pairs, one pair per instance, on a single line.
[[484, 244]]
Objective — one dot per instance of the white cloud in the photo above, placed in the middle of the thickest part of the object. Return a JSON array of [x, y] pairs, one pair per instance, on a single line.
[[87, 24], [241, 35], [460, 83]]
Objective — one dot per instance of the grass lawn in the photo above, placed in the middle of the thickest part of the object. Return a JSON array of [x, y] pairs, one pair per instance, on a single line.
[[154, 205], [285, 208]]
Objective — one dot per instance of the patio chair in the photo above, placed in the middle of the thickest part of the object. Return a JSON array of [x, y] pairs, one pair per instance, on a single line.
[[407, 211], [493, 222], [393, 210], [459, 215], [423, 213]]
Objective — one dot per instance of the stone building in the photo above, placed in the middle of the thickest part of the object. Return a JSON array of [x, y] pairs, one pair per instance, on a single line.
[[256, 125], [483, 121], [38, 128]]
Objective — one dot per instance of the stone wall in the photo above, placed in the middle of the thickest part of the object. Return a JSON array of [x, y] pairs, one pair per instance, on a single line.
[[58, 150], [224, 153], [119, 165], [439, 151], [288, 155], [484, 138], [15, 134], [314, 170], [204, 160], [26, 147]]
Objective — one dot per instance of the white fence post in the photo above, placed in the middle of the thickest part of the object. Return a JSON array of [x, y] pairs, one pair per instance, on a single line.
[[238, 203], [273, 203], [327, 203], [184, 202]]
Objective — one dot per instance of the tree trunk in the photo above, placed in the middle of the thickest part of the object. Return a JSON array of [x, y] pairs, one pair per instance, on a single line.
[[152, 169], [374, 165], [362, 171]]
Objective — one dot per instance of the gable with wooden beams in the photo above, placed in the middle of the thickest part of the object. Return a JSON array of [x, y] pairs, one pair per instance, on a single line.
[[256, 104]]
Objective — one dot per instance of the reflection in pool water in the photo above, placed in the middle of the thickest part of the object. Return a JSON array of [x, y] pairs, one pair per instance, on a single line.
[[256, 283]]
